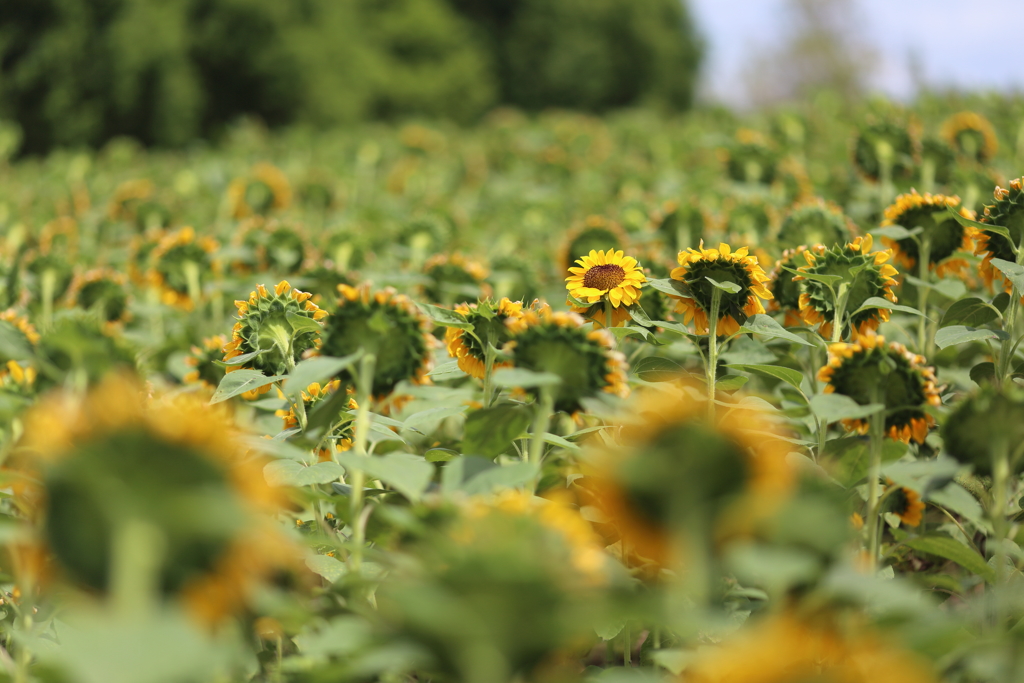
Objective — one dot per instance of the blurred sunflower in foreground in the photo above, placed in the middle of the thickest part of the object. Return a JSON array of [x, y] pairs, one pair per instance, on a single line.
[[605, 277], [870, 371], [724, 266], [490, 326], [129, 490]]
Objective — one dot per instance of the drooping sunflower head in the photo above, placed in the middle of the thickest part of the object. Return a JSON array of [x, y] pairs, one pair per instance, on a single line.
[[971, 135], [265, 189], [989, 421], [386, 324], [596, 232], [604, 276], [205, 371], [906, 504], [490, 326], [871, 371], [60, 235], [725, 266], [424, 235], [1006, 211], [793, 182], [750, 158], [104, 290], [675, 473], [274, 246], [49, 275], [885, 144], [814, 221], [938, 163], [865, 273], [943, 234], [455, 277], [785, 290], [128, 196], [514, 277], [346, 250], [115, 470], [274, 330], [557, 342], [181, 266], [686, 225]]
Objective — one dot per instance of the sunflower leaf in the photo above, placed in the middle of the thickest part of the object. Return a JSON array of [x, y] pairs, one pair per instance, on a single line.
[[787, 375], [521, 377], [960, 334], [949, 287], [969, 223], [972, 312], [835, 407], [727, 287], [828, 280], [639, 316], [238, 360], [445, 317], [879, 302], [489, 431], [955, 551], [317, 369], [767, 326], [894, 232], [241, 381], [292, 473], [670, 287], [1013, 272], [301, 323], [408, 474], [13, 342], [657, 369]]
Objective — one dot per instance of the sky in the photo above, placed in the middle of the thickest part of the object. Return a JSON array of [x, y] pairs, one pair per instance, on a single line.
[[968, 44]]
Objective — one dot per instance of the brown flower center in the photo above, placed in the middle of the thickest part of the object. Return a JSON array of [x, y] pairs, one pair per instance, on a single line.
[[604, 277]]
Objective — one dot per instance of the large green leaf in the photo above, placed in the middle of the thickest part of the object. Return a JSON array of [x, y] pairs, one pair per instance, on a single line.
[[1013, 272], [970, 312], [489, 431], [879, 302], [951, 549], [767, 326], [326, 566], [292, 473], [959, 334], [406, 473], [445, 317], [787, 375], [241, 381], [658, 369], [835, 407], [317, 369], [521, 377]]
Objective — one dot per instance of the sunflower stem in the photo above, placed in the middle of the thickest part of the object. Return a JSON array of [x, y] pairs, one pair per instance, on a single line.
[[191, 269], [712, 371], [137, 553], [608, 313], [840, 312], [1000, 479], [923, 291], [545, 407], [488, 369], [364, 387], [877, 434]]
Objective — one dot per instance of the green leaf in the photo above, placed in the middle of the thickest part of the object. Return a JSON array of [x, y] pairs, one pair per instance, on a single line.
[[730, 382], [489, 431], [509, 476], [1013, 272], [639, 316], [658, 369], [239, 360], [727, 287], [949, 287], [669, 286], [302, 323], [521, 377], [879, 302], [983, 372], [326, 566], [317, 369], [968, 223], [431, 415], [447, 371], [835, 407], [852, 457], [440, 455], [621, 333], [895, 232], [951, 549], [971, 312], [559, 441], [827, 280], [959, 334], [14, 344], [767, 326], [406, 473], [445, 317], [292, 473], [241, 381], [327, 412], [787, 375]]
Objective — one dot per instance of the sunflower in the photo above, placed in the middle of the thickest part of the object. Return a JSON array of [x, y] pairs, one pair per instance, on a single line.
[[265, 190], [180, 265], [127, 197], [990, 419], [906, 504], [313, 395], [118, 461], [514, 277], [724, 266], [103, 289], [672, 467], [346, 250], [277, 328], [274, 246], [424, 235], [786, 649], [870, 371], [786, 291], [944, 235], [605, 276], [596, 232], [874, 279], [883, 143], [489, 327], [971, 135], [814, 221], [50, 275], [750, 220], [454, 278], [938, 163], [202, 359], [61, 235], [750, 159], [557, 342], [1008, 212], [684, 225], [386, 324]]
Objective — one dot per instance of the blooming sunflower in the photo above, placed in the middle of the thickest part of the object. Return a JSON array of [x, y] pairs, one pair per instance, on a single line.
[[205, 371], [265, 190], [454, 278], [870, 371], [944, 235], [990, 419], [723, 265], [786, 291], [971, 135], [103, 289], [906, 504], [181, 263], [596, 232], [386, 324], [605, 276], [273, 331], [1008, 212], [814, 221], [489, 327], [116, 463], [557, 342], [874, 279], [885, 143], [671, 465]]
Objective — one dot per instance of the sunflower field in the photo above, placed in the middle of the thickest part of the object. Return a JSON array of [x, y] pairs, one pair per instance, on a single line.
[[708, 398]]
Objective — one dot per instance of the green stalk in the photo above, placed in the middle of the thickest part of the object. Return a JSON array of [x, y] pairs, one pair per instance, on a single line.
[[877, 435], [608, 308], [923, 291], [627, 650], [839, 313], [1000, 480], [545, 407], [195, 291], [49, 287], [136, 555], [712, 369], [364, 387], [488, 369]]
